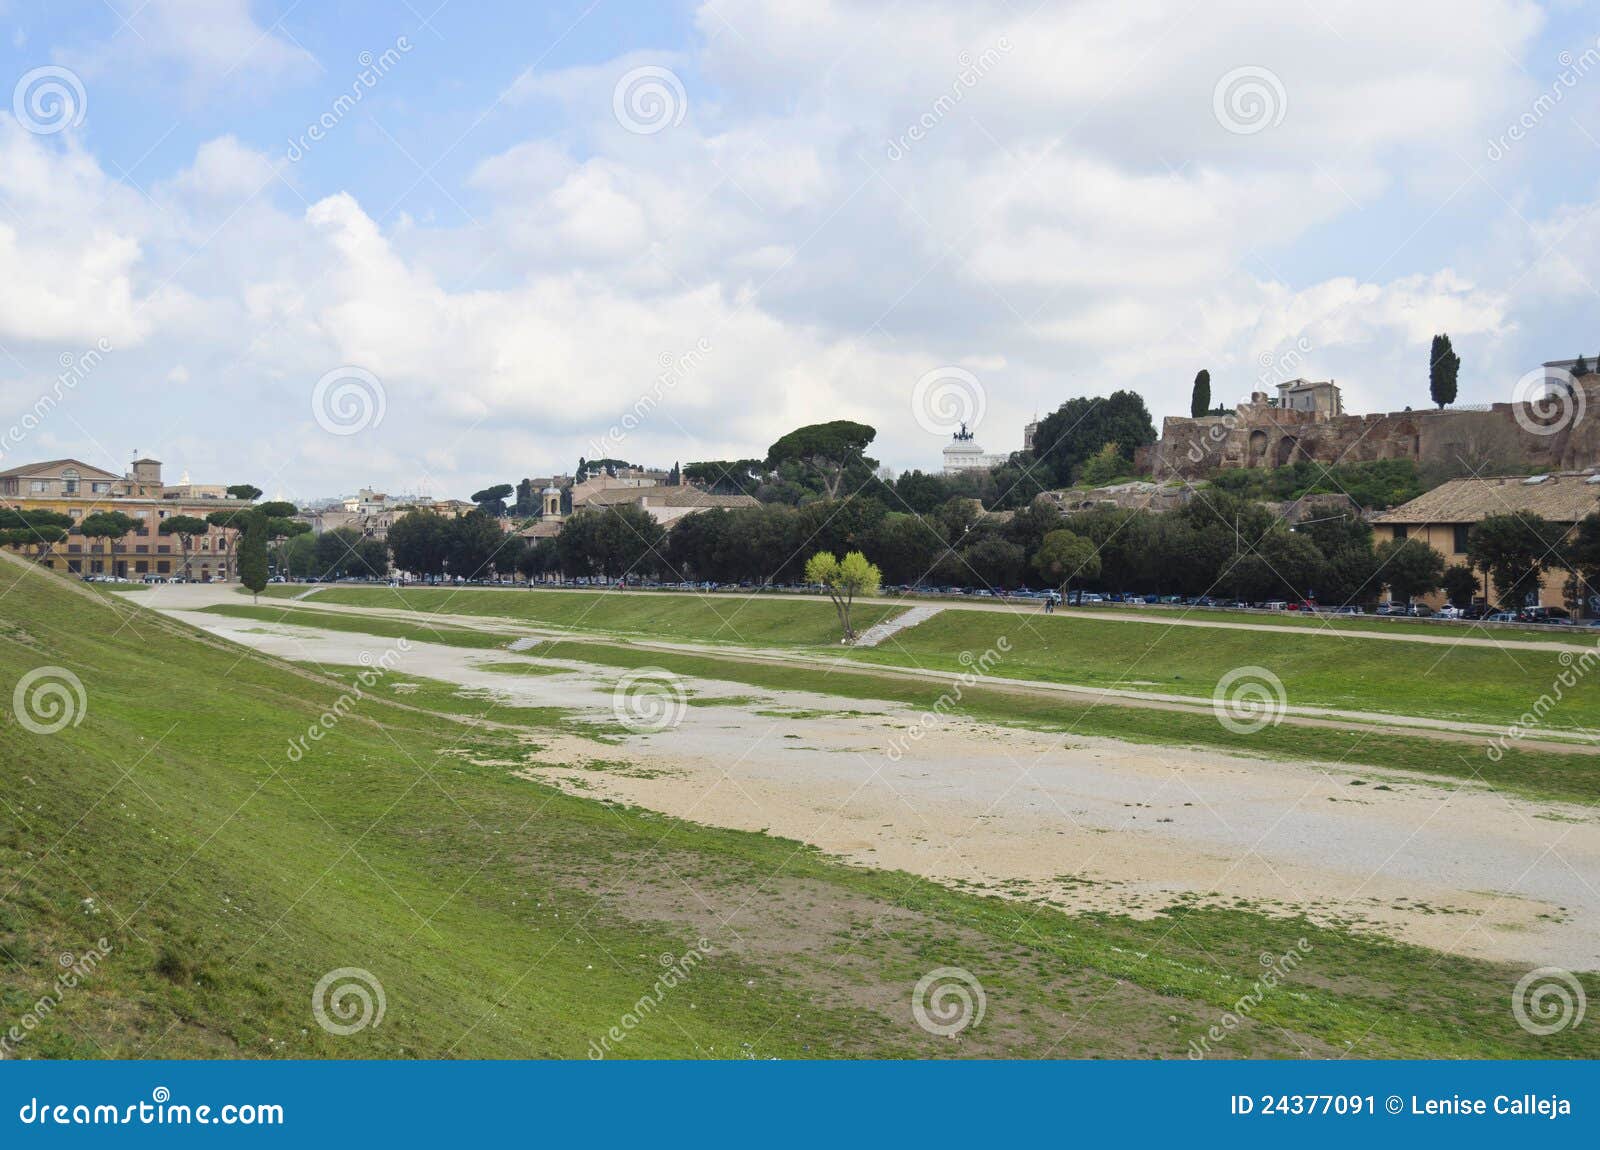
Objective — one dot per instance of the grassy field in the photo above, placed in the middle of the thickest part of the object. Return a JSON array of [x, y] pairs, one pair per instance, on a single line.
[[505, 919], [1468, 683], [702, 618], [1537, 774], [727, 607]]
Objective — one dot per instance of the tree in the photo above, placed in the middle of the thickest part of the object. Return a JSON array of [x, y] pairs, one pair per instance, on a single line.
[[297, 558], [107, 525], [336, 553], [245, 492], [1103, 467], [844, 579], [253, 555], [1514, 550], [1580, 368], [372, 558], [1443, 367], [492, 500], [1460, 584], [185, 527], [41, 529], [826, 449], [420, 541], [1064, 556], [1083, 426], [630, 542], [1584, 555], [476, 542], [1410, 568], [1200, 398]]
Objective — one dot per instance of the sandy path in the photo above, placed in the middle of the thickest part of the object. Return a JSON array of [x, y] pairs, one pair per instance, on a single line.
[[1448, 730], [1086, 823]]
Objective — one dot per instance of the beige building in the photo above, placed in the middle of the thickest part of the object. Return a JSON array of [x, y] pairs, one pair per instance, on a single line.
[[1443, 518], [77, 489], [1322, 398]]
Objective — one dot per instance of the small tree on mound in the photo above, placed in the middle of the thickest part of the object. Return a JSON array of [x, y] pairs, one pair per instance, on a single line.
[[844, 579]]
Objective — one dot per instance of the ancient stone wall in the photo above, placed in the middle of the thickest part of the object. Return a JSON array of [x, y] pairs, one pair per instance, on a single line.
[[1554, 435]]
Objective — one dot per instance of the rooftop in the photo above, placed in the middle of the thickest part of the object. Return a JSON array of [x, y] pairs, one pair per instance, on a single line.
[[1562, 497]]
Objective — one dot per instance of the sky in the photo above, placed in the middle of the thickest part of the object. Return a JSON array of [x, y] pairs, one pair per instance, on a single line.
[[425, 247]]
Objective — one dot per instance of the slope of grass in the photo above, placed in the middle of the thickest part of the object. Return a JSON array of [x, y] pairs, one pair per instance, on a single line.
[[778, 621], [505, 919]]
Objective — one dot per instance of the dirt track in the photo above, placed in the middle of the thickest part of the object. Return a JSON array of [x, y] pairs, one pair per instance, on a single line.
[[188, 597], [1086, 823]]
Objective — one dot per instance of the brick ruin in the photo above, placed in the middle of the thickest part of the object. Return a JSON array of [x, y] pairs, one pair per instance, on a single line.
[[1558, 434]]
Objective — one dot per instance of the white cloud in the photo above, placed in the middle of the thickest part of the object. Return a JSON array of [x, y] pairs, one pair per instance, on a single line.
[[211, 40]]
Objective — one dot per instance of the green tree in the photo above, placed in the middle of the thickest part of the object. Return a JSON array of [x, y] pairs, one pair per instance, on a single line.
[[245, 492], [1515, 550], [186, 528], [253, 555], [476, 541], [1064, 556], [39, 529], [827, 450], [1460, 584], [492, 500], [843, 580], [1082, 426], [1581, 367], [107, 525], [1104, 466], [1200, 398], [336, 553], [1410, 568], [1443, 367], [420, 541]]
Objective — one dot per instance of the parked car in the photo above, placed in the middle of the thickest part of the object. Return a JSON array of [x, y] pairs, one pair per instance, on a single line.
[[1277, 605], [1500, 617], [1449, 611], [1543, 615], [1348, 609]]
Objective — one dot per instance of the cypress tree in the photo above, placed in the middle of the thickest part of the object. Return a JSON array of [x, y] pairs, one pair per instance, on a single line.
[[1200, 401], [1443, 366]]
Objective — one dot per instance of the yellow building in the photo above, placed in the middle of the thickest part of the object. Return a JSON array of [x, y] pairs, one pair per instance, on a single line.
[[1443, 518], [76, 489]]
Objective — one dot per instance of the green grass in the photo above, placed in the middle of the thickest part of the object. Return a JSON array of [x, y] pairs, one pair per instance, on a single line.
[[1358, 624], [1470, 683], [776, 621], [1533, 773], [505, 919]]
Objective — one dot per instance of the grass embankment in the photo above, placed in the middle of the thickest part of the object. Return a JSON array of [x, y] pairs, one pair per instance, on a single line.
[[505, 919], [777, 621], [1534, 773]]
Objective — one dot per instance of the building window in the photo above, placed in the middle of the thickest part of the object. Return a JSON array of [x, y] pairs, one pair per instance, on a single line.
[[100, 488], [142, 567], [1462, 531], [69, 480], [163, 566], [1400, 530], [38, 486]]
